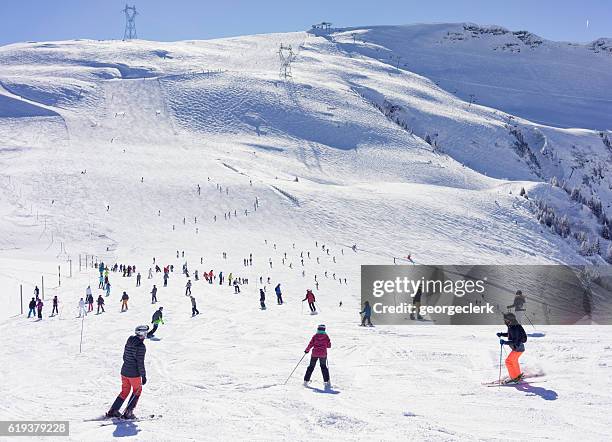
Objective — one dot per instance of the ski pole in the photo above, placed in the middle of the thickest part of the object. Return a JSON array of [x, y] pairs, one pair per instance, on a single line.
[[500, 361], [529, 320], [298, 364]]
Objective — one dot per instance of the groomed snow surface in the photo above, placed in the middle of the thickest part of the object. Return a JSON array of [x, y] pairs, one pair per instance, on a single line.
[[102, 146]]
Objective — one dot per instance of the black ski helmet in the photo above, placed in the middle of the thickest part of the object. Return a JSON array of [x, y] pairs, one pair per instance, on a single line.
[[519, 293], [321, 327], [510, 317]]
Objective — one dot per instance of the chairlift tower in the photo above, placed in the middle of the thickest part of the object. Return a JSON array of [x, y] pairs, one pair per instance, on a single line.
[[130, 22]]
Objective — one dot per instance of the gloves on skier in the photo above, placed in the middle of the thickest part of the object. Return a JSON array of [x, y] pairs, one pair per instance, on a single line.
[[144, 380], [502, 342], [306, 351], [499, 334]]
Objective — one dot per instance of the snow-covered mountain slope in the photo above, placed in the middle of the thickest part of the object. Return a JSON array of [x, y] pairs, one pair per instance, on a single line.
[[102, 147], [553, 83]]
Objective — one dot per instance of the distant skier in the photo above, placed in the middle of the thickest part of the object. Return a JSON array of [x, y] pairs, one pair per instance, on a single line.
[[100, 304], [516, 340], [90, 303], [54, 311], [101, 281], [262, 299], [366, 312], [156, 320], [138, 280], [87, 292], [108, 288], [416, 302], [319, 344], [32, 307], [236, 286], [82, 311], [166, 279], [279, 294], [150, 273], [194, 308], [519, 302], [154, 294], [39, 307], [36, 291], [310, 297], [188, 288], [133, 374], [124, 301]]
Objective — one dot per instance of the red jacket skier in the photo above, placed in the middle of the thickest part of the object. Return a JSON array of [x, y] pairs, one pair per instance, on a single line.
[[310, 297]]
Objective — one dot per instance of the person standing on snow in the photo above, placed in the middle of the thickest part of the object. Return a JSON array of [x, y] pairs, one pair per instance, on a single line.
[[100, 304], [156, 320], [153, 294], [138, 280], [194, 308], [516, 340], [39, 307], [519, 302], [366, 312], [262, 299], [54, 311], [133, 374], [108, 287], [90, 303], [319, 344], [188, 288], [236, 286], [82, 311], [87, 292], [310, 297], [150, 273], [101, 281], [32, 307], [279, 294], [124, 302]]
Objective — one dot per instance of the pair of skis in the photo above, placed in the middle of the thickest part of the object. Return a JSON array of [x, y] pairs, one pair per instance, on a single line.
[[527, 379], [105, 421]]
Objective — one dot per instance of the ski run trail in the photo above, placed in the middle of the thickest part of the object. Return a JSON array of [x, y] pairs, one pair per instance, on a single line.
[[103, 145]]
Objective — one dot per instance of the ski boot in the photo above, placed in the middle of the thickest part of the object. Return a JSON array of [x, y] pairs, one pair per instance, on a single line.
[[114, 409], [515, 380], [128, 415], [306, 383], [327, 385]]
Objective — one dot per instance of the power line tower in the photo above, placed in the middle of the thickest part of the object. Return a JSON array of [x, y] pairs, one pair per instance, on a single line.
[[286, 56], [130, 22]]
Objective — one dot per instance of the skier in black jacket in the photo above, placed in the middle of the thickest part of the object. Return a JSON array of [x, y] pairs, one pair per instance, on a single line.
[[133, 374], [516, 340]]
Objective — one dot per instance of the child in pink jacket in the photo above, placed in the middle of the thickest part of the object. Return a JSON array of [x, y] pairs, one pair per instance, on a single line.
[[319, 344]]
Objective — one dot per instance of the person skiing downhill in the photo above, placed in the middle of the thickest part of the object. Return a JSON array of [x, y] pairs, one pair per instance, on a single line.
[[154, 294], [133, 374], [100, 304], [366, 312], [516, 340], [124, 301], [310, 297], [156, 320], [262, 299], [188, 288], [194, 307], [279, 294], [319, 344]]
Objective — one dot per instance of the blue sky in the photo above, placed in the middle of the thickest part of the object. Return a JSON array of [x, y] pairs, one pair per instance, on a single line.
[[169, 20]]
